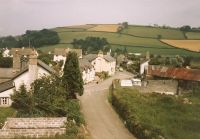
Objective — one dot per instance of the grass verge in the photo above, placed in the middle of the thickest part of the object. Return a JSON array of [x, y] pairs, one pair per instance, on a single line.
[[158, 116]]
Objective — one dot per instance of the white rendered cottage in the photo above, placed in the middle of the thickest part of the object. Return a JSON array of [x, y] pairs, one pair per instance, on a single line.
[[88, 72], [26, 76], [61, 53], [102, 62]]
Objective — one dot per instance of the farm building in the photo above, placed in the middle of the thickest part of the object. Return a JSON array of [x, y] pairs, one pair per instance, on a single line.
[[187, 78]]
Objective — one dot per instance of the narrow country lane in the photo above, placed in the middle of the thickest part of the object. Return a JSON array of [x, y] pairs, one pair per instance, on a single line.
[[102, 120]]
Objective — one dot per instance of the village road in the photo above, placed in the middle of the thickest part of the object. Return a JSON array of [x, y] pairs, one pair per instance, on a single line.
[[102, 121]]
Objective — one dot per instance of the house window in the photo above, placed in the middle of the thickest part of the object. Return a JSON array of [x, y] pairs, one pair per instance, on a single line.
[[4, 101]]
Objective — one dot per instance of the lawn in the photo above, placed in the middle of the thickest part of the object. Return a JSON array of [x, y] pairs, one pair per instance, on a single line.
[[4, 113], [151, 115], [153, 32], [193, 35]]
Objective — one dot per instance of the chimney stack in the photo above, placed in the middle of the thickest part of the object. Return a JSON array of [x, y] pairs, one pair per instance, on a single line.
[[16, 60], [32, 68]]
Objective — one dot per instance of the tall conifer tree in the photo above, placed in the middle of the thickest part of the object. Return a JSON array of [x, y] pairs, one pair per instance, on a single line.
[[72, 75]]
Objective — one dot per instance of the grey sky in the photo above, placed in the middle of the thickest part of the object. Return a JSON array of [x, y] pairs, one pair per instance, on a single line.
[[16, 16]]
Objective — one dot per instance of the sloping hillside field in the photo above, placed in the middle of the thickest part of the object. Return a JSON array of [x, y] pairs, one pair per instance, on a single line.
[[106, 28], [137, 39], [192, 45]]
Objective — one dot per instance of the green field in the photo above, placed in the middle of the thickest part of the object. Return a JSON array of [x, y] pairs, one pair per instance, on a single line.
[[193, 35], [4, 113], [153, 32], [151, 115], [51, 48], [137, 39]]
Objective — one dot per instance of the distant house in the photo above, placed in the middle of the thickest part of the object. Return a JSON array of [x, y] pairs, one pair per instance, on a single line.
[[27, 75], [6, 53], [88, 71], [61, 53], [102, 62], [144, 66]]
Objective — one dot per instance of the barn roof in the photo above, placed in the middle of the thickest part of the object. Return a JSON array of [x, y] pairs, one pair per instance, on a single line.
[[174, 73]]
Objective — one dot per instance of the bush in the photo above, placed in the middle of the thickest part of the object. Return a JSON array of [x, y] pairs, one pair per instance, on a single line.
[[102, 75]]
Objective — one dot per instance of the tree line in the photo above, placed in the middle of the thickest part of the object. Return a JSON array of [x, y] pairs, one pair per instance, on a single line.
[[34, 38], [90, 44]]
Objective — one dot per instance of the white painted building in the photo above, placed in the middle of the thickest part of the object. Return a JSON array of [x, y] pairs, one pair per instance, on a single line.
[[144, 66], [88, 72], [102, 62], [6, 53], [34, 70], [61, 53]]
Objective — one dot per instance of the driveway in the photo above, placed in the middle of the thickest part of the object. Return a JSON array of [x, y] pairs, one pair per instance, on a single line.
[[102, 121]]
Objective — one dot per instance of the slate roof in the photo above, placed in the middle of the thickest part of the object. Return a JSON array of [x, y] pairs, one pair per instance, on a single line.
[[45, 66], [109, 58], [91, 57], [84, 64], [174, 73], [6, 85], [6, 73]]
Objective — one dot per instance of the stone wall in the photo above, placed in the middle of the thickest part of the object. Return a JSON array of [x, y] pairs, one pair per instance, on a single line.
[[31, 133], [160, 86], [33, 127]]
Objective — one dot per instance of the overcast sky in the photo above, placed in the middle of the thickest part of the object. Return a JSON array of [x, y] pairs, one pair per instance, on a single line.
[[17, 16]]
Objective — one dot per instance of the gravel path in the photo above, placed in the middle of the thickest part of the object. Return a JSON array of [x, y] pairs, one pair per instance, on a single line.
[[102, 120]]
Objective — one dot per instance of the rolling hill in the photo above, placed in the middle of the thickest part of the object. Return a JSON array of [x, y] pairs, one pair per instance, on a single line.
[[138, 39]]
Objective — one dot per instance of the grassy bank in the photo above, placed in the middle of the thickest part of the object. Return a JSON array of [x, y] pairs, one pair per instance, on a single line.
[[153, 115], [4, 113]]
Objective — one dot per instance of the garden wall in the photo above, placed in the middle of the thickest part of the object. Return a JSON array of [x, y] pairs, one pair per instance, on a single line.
[[33, 127]]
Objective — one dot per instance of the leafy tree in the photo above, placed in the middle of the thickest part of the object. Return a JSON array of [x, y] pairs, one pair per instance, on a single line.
[[107, 48], [47, 97], [5, 62], [186, 28], [9, 42], [125, 24], [39, 38], [22, 101], [90, 44], [159, 36], [72, 76]]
